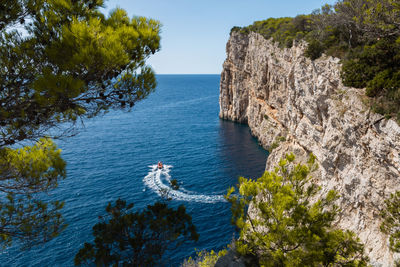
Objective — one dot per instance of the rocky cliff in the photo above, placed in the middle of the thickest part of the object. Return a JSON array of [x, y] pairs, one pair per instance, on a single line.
[[297, 105]]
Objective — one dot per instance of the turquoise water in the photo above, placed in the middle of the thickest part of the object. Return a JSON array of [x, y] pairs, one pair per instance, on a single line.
[[114, 155]]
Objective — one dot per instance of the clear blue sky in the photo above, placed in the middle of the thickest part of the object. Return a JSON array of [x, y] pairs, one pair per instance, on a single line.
[[194, 33]]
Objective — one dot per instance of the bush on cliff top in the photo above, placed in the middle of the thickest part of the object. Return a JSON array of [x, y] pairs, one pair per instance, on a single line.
[[364, 34], [282, 30]]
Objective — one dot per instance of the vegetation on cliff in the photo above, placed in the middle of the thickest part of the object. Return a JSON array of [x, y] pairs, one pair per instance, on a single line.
[[365, 34], [391, 221], [287, 226], [204, 259], [60, 61]]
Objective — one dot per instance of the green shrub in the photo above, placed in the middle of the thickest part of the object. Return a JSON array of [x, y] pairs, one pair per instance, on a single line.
[[393, 87], [282, 30], [391, 220], [235, 29], [289, 41], [276, 143], [273, 146], [378, 83], [314, 50], [204, 259], [281, 139], [378, 108], [299, 36], [356, 74], [376, 66]]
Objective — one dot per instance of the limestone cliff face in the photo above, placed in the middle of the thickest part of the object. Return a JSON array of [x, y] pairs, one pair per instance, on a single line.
[[303, 106]]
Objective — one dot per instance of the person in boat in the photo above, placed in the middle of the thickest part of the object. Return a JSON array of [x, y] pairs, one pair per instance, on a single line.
[[160, 165]]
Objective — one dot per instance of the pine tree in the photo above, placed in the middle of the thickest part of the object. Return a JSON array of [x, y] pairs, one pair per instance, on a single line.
[[61, 61], [129, 238], [287, 226]]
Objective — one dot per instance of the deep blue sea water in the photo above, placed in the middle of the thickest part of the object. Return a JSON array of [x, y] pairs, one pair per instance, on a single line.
[[178, 124]]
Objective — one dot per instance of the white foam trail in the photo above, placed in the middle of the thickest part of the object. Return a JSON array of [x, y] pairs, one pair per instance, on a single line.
[[153, 180]]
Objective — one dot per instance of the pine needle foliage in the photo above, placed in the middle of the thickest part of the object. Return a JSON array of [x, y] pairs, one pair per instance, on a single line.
[[61, 61], [25, 172], [127, 238], [70, 62], [204, 259], [391, 220], [282, 224]]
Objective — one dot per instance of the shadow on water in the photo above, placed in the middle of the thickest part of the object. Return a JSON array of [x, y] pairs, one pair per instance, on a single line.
[[240, 153]]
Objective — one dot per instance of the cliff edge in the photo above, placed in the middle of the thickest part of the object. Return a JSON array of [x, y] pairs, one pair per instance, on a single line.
[[297, 105]]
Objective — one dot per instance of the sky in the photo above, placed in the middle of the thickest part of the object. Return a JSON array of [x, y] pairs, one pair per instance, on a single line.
[[194, 33]]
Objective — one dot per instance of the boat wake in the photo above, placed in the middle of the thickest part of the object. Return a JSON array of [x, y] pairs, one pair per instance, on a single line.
[[159, 180]]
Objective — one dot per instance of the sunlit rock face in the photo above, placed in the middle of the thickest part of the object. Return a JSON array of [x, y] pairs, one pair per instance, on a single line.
[[301, 106]]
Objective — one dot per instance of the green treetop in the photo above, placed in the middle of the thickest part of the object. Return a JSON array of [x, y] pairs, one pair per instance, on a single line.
[[61, 61], [26, 171], [72, 62], [288, 226]]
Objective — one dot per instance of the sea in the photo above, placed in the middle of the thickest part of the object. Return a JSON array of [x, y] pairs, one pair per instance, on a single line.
[[115, 156]]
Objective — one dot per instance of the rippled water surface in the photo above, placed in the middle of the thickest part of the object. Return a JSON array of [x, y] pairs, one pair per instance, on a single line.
[[114, 156]]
